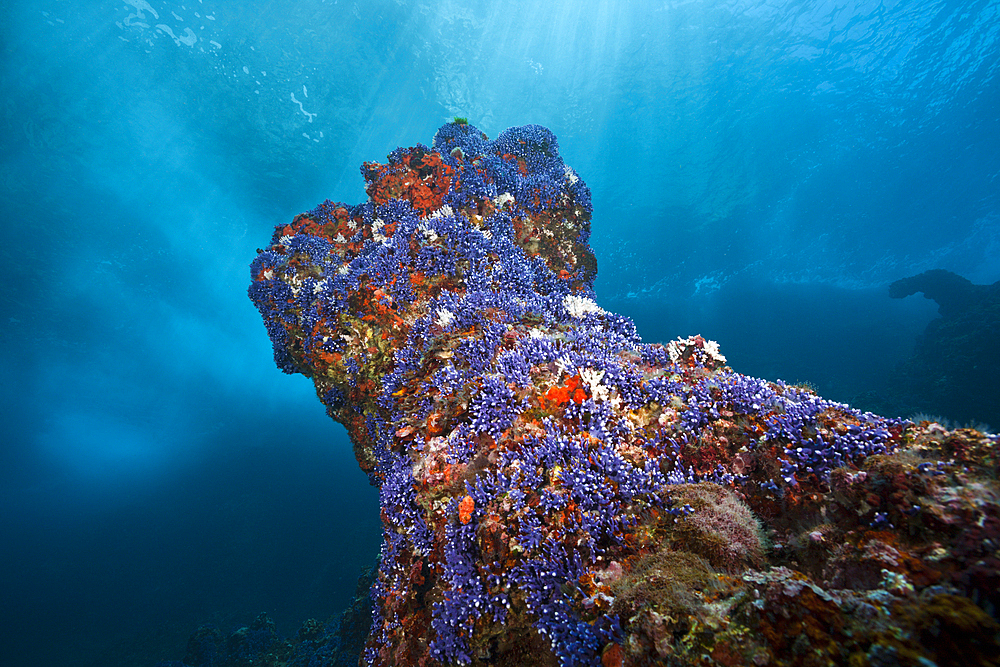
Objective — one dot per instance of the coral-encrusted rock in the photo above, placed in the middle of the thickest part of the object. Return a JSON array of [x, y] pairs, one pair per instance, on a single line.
[[556, 491]]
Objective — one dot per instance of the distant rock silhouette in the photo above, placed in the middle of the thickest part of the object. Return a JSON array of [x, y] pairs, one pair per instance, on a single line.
[[954, 367], [952, 293]]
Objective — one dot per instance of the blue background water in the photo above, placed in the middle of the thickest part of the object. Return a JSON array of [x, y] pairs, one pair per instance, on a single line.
[[760, 173]]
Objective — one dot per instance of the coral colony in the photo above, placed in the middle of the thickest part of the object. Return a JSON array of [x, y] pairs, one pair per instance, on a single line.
[[555, 491]]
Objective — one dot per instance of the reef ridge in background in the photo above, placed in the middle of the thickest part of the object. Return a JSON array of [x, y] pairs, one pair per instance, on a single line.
[[554, 491], [953, 369]]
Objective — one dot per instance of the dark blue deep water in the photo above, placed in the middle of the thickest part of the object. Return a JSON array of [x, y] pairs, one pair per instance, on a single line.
[[761, 171]]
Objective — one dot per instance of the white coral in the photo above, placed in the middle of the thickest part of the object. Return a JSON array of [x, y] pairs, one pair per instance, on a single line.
[[377, 235], [592, 378], [709, 348], [443, 212], [429, 234], [578, 306], [444, 317], [712, 348]]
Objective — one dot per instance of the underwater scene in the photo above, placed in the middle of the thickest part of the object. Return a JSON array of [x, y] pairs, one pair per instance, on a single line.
[[600, 332]]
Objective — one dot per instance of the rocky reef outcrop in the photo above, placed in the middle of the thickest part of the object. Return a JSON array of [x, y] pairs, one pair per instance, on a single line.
[[555, 491], [956, 361]]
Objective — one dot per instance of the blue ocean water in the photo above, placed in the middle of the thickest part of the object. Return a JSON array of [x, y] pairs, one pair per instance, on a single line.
[[761, 171]]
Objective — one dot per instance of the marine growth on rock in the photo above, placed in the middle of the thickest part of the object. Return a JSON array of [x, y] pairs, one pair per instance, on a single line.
[[555, 491]]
